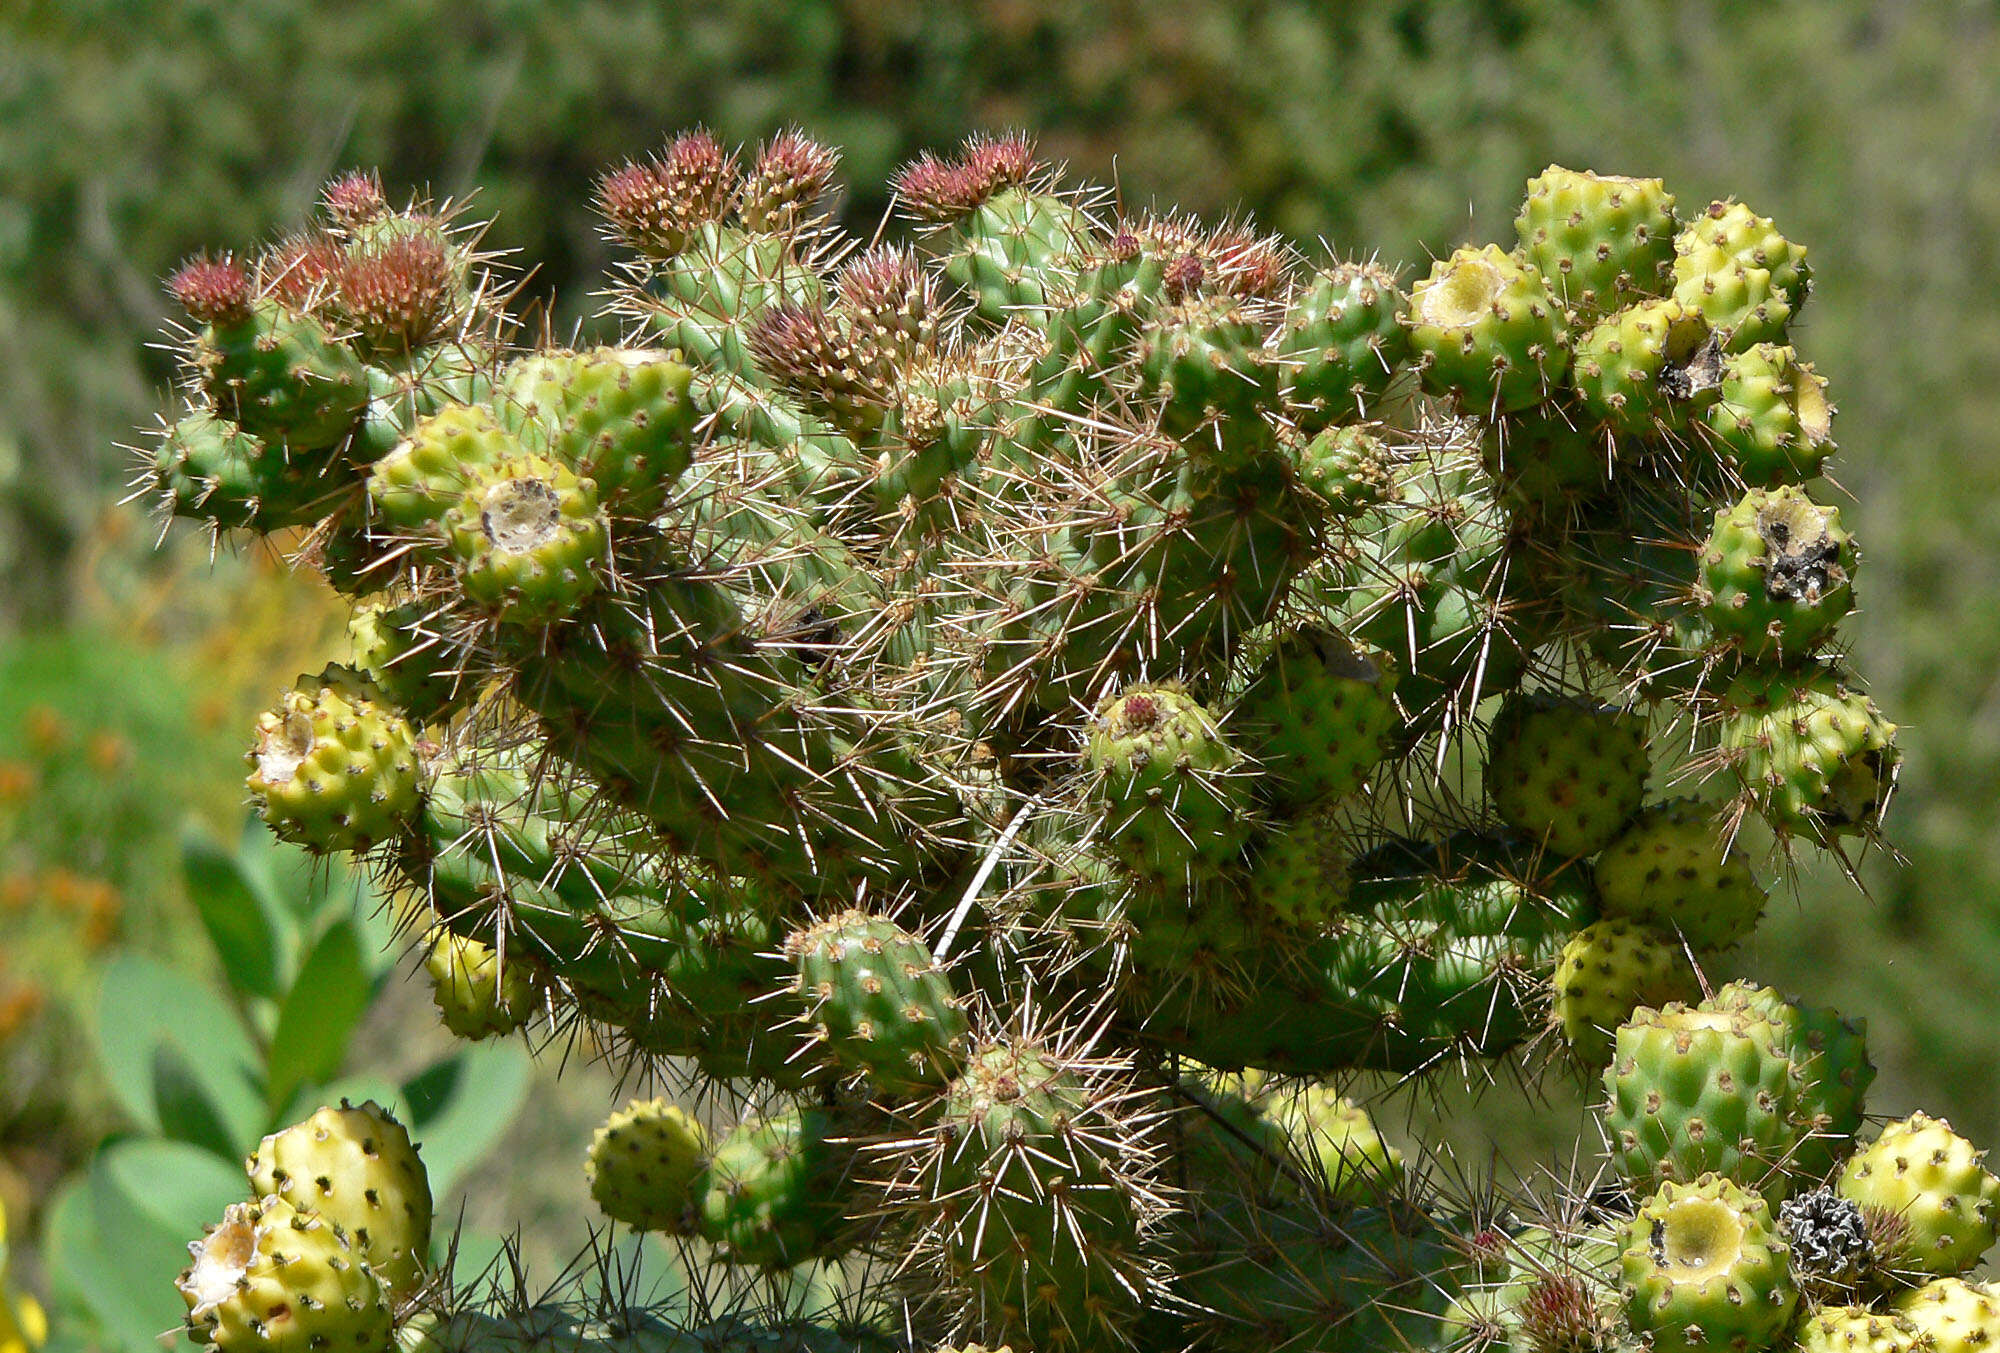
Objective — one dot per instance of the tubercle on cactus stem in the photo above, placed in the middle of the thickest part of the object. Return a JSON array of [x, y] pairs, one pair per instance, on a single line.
[[963, 700]]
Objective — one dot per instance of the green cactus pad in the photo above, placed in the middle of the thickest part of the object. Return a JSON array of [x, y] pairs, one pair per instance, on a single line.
[[1606, 971], [772, 1194], [1547, 457], [1342, 343], [1486, 331], [333, 767], [1600, 240], [354, 1167], [1777, 574], [877, 1001], [1771, 423], [269, 1279], [1675, 867], [1734, 266], [209, 469], [1299, 872], [1930, 1179], [474, 998], [1705, 1270], [282, 377], [1568, 772], [1813, 754], [645, 1167]]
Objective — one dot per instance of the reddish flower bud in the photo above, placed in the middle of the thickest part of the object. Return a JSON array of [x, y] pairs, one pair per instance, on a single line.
[[402, 293], [212, 290], [354, 199], [792, 171]]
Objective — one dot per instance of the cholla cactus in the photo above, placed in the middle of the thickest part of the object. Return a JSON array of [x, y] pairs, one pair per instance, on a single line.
[[1014, 706]]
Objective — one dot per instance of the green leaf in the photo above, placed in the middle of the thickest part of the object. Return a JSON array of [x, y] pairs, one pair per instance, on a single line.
[[237, 914], [182, 1188], [462, 1106], [148, 1199], [143, 1006], [319, 1014], [189, 1111]]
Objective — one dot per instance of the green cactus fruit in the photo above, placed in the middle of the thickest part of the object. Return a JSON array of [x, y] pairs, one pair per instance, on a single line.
[[1813, 754], [269, 1279], [1171, 787], [1029, 1202], [774, 1191], [1342, 342], [645, 1167], [1299, 872], [1316, 1279], [878, 1002], [1834, 1073], [1771, 423], [333, 766], [1205, 357], [414, 486], [1649, 369], [1929, 1178], [209, 469], [528, 538], [1952, 1315], [410, 662], [1317, 717], [620, 417], [1777, 574], [474, 998], [1609, 969], [1566, 771], [1547, 457], [282, 377], [1339, 1144], [1705, 1269], [355, 1167], [1734, 266], [1486, 332], [1695, 1091], [1600, 240], [1676, 868], [1857, 1329], [1348, 468]]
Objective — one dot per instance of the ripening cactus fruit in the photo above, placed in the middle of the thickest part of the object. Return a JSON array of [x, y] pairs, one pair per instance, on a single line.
[[1486, 330], [1567, 772], [1600, 240], [355, 1167], [1777, 574], [645, 1166], [334, 766], [1734, 266], [1931, 1180], [877, 1001], [1674, 867], [1704, 1268], [474, 997], [271, 1279]]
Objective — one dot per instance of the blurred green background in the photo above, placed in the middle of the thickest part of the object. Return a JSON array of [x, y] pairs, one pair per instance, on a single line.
[[133, 132]]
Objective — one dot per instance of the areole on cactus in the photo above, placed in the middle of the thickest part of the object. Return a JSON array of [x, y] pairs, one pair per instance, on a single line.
[[1015, 710]]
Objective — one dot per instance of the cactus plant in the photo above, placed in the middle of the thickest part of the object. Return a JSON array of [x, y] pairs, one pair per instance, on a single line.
[[983, 708]]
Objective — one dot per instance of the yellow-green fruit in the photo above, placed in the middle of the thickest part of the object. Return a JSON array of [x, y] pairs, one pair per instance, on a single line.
[[1953, 1315], [1856, 1329], [644, 1164], [474, 998], [413, 486], [1735, 267], [1601, 240], [1646, 370], [270, 1279], [1487, 332], [1777, 574], [355, 1167], [528, 538], [1566, 771], [1704, 1269], [402, 649], [334, 766], [1772, 422], [1606, 971], [1299, 873], [1930, 1179], [1814, 755]]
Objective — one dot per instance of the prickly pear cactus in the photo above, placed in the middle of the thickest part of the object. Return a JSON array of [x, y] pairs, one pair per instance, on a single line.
[[1013, 719]]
